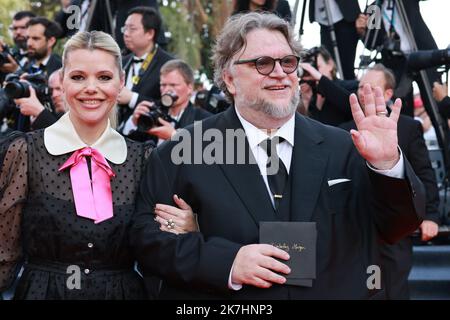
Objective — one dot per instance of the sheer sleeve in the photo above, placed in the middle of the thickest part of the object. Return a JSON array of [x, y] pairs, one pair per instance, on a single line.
[[13, 188]]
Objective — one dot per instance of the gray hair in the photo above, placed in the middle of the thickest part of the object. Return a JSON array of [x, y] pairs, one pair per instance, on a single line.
[[182, 67], [233, 38]]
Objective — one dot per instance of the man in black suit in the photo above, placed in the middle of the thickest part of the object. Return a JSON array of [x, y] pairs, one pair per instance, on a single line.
[[142, 66], [396, 260], [47, 113], [42, 37], [177, 80], [343, 16], [326, 181], [122, 9]]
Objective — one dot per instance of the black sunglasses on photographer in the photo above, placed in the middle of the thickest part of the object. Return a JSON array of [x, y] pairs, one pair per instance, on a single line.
[[265, 65]]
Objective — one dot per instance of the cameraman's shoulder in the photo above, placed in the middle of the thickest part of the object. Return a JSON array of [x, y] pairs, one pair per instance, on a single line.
[[201, 114]]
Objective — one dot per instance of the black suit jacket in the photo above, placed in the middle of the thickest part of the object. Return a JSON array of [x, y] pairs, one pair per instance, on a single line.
[[190, 115], [444, 107], [336, 107], [53, 64], [45, 119], [148, 86], [231, 200], [349, 8]]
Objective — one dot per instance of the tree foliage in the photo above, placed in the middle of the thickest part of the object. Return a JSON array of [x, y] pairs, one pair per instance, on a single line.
[[8, 9], [204, 19], [184, 42]]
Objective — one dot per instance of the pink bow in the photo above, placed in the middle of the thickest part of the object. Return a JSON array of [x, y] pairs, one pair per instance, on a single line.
[[93, 198]]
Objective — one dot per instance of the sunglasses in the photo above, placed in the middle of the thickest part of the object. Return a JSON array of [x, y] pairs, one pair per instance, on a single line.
[[265, 65]]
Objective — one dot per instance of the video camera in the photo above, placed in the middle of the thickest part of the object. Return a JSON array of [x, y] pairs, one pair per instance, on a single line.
[[159, 110]]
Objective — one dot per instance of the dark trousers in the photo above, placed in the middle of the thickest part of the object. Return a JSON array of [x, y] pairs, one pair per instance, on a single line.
[[396, 264], [347, 39]]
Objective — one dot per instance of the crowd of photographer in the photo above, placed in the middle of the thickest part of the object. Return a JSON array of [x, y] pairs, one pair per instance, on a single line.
[[27, 100], [159, 93]]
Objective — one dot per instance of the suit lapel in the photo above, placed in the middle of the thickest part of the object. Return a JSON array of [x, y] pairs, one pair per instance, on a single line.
[[187, 117], [308, 166], [246, 178]]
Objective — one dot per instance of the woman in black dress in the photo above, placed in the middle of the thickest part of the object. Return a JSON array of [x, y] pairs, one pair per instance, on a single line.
[[67, 192]]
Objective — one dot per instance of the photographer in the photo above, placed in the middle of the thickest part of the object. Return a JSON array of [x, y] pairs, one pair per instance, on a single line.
[[142, 65], [11, 59], [42, 37], [323, 96], [41, 116], [176, 80], [27, 101]]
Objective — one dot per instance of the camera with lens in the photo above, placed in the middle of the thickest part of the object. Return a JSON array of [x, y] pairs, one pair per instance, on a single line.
[[159, 110], [310, 57], [16, 88], [212, 100]]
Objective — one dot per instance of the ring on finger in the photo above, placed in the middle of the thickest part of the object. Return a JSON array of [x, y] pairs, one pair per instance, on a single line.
[[170, 224], [382, 113]]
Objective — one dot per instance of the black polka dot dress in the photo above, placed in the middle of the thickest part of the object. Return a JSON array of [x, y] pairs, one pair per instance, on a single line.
[[65, 256]]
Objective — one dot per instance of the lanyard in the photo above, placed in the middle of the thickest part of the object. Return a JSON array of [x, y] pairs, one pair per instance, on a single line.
[[144, 67]]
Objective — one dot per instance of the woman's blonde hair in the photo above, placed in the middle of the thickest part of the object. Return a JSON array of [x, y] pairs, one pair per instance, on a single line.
[[95, 40]]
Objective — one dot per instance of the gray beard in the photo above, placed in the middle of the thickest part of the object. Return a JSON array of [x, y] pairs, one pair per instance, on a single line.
[[275, 111]]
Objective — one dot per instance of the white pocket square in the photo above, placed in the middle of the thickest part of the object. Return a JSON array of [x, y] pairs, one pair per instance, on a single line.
[[336, 181]]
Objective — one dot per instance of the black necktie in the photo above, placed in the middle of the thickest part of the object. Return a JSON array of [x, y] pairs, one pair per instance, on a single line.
[[277, 174]]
